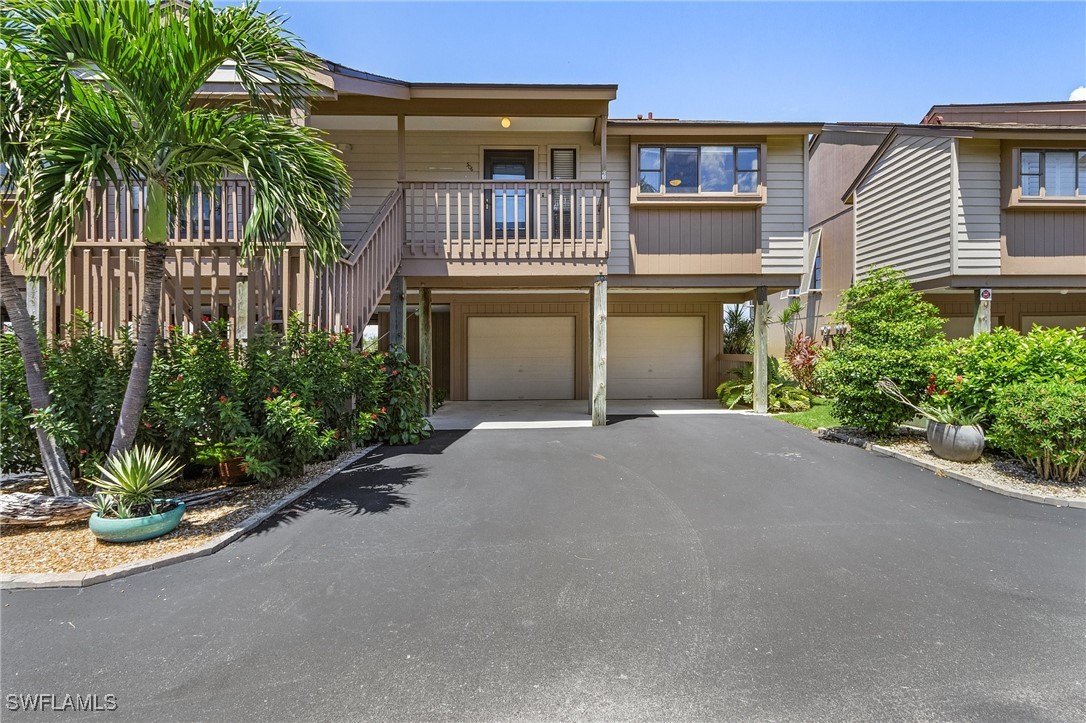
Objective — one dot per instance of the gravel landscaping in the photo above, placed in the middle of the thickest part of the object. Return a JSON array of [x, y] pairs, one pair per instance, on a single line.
[[993, 467], [72, 548]]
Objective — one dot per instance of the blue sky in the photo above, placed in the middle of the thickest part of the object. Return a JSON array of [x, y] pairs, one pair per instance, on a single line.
[[743, 61]]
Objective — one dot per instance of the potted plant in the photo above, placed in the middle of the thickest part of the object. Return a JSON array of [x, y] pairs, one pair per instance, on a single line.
[[126, 508], [954, 431], [223, 456]]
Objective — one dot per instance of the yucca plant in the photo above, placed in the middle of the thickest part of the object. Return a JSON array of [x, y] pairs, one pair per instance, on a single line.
[[128, 481]]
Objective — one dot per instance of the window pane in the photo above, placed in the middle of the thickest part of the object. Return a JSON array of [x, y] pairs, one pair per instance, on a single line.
[[748, 181], [1031, 162], [681, 169], [1031, 185], [650, 159], [650, 181], [1060, 173], [717, 169], [748, 159], [1082, 173]]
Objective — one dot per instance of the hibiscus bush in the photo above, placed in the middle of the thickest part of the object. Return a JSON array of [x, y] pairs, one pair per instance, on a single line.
[[280, 401]]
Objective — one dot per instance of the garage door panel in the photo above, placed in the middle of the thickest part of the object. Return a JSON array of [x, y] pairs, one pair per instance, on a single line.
[[521, 357], [655, 357]]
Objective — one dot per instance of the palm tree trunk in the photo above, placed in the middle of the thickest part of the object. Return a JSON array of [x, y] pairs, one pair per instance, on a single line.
[[53, 459], [135, 394]]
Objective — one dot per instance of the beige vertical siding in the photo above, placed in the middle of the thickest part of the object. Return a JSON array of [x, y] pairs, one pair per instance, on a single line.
[[904, 209], [1009, 308], [1044, 241], [977, 207], [783, 218], [695, 240], [373, 161], [618, 173]]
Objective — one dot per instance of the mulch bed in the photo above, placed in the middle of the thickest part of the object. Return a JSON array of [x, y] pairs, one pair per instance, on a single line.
[[71, 547], [993, 467]]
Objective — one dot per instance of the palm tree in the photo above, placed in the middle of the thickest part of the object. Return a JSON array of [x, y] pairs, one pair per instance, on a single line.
[[24, 95], [132, 114]]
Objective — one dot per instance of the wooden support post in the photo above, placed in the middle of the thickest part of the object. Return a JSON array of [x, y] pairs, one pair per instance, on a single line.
[[761, 351], [599, 351], [426, 346], [982, 312], [242, 320], [397, 312], [36, 301], [401, 146]]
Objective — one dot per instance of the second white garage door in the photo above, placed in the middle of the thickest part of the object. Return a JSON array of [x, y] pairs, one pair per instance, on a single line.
[[520, 357], [655, 357]]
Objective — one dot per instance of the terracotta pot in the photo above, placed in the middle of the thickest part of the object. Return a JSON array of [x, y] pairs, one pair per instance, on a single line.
[[956, 442], [230, 470]]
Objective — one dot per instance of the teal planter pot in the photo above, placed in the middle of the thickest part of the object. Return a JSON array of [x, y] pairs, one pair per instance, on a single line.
[[134, 529]]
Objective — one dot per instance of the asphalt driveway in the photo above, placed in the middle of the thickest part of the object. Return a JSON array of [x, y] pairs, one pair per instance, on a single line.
[[678, 568]]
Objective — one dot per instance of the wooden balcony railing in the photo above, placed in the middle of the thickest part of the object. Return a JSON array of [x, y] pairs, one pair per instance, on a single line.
[[213, 216], [505, 220], [351, 288]]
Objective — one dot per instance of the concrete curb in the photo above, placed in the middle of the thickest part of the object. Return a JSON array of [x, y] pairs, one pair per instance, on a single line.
[[952, 474], [93, 577]]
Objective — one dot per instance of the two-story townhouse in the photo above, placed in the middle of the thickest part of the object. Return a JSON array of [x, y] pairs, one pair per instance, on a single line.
[[982, 206], [521, 242]]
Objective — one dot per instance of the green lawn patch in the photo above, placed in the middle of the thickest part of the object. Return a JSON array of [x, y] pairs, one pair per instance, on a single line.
[[819, 415]]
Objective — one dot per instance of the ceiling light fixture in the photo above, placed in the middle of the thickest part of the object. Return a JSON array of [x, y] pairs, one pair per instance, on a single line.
[[506, 122]]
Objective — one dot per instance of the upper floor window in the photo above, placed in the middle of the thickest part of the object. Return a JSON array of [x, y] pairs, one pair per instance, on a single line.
[[698, 169], [1053, 173]]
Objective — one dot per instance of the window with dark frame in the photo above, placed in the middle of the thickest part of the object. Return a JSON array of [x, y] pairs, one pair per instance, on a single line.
[[563, 168], [698, 169], [1052, 173]]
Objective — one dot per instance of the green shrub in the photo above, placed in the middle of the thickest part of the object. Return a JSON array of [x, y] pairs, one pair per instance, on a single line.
[[19, 446], [783, 395], [1043, 423], [401, 419], [974, 370], [893, 334], [281, 401], [738, 330]]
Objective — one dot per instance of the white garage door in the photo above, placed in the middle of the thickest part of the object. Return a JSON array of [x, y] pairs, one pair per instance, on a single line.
[[655, 357], [520, 357]]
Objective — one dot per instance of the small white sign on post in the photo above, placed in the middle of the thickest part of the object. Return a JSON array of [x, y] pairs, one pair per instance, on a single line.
[[985, 294]]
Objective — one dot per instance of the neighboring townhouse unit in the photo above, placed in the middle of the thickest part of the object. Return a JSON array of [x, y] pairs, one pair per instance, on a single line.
[[518, 240], [975, 197]]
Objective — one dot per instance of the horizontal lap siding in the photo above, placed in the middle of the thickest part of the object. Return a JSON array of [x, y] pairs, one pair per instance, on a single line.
[[1008, 308], [783, 218], [978, 207], [618, 173], [904, 210], [373, 161]]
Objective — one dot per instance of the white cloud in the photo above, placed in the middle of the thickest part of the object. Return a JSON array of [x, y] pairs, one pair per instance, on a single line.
[[1078, 93]]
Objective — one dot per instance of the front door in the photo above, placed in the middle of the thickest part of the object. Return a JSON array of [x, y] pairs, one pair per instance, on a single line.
[[507, 212]]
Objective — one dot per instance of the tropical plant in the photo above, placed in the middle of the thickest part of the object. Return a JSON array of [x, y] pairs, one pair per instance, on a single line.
[[787, 319], [782, 395], [802, 358], [128, 481], [946, 412], [25, 95], [976, 369], [402, 417], [738, 330], [893, 334], [1043, 424], [130, 112]]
